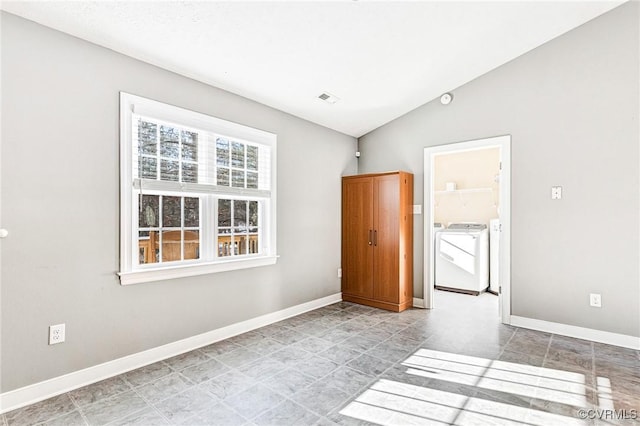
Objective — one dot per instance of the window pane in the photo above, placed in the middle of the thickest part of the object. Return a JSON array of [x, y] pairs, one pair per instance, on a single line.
[[252, 180], [189, 146], [191, 212], [237, 178], [240, 214], [171, 246], [223, 176], [253, 244], [237, 155], [191, 245], [190, 172], [169, 170], [253, 213], [147, 168], [148, 247], [241, 241], [169, 142], [170, 212], [224, 212], [224, 245], [252, 157], [148, 214], [235, 247], [222, 152], [147, 133]]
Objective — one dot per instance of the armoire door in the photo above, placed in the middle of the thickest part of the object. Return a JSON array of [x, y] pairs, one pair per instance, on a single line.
[[357, 234], [386, 219]]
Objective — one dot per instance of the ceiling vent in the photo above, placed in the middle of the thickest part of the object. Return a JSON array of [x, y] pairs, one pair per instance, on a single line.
[[329, 98]]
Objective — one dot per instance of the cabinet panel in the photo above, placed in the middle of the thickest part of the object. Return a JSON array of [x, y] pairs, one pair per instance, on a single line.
[[357, 229], [386, 242]]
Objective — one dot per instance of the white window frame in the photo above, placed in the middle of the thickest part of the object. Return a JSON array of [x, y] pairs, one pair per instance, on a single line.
[[133, 273]]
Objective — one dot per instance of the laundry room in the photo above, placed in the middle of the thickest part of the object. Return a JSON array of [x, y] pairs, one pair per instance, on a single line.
[[466, 211]]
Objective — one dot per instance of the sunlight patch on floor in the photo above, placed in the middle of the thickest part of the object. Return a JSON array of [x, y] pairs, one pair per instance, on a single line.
[[524, 380], [389, 402]]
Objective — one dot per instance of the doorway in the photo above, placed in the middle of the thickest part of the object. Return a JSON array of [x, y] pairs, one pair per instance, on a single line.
[[501, 194]]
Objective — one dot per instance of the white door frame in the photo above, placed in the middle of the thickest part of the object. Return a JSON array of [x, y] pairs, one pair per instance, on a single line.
[[504, 143]]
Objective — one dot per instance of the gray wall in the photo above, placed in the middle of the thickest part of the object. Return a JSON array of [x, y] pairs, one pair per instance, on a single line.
[[571, 107], [60, 203]]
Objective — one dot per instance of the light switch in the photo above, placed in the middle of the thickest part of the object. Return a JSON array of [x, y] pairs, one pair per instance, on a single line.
[[417, 209], [556, 192]]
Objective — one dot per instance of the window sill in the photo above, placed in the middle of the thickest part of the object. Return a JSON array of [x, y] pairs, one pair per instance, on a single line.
[[171, 272]]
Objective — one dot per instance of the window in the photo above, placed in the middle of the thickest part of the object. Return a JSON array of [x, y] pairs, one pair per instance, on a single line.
[[197, 193]]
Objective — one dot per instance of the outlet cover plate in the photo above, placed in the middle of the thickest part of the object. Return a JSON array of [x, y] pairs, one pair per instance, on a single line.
[[595, 300], [56, 334]]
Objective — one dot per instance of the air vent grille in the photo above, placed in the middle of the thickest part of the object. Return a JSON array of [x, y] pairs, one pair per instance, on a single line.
[[328, 97]]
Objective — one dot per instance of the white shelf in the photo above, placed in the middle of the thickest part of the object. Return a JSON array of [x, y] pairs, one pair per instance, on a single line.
[[465, 191]]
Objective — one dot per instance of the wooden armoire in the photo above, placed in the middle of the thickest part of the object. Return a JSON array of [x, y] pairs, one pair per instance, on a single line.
[[377, 240]]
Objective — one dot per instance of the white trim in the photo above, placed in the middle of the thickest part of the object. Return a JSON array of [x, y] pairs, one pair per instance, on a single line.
[[39, 391], [179, 271], [126, 177], [607, 337], [504, 143], [418, 303]]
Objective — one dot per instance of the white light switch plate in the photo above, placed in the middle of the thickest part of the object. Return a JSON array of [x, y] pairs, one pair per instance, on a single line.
[[417, 209]]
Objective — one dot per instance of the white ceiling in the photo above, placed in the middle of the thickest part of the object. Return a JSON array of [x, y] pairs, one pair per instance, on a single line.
[[381, 58]]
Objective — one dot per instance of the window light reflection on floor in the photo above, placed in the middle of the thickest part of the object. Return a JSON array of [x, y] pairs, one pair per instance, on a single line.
[[389, 402], [605, 396], [524, 380]]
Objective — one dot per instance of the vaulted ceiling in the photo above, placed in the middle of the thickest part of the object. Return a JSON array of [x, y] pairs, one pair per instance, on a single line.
[[381, 59]]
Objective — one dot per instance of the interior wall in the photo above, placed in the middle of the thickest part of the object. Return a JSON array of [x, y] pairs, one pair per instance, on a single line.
[[477, 194], [571, 107], [60, 203]]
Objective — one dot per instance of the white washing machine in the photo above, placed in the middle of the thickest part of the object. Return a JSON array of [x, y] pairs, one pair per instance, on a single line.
[[462, 258]]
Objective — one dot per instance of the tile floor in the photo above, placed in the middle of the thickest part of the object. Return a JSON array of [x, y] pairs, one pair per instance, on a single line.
[[352, 365]]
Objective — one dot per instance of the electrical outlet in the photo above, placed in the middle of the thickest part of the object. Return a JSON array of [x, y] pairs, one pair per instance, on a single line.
[[56, 334], [556, 193], [595, 300], [339, 272]]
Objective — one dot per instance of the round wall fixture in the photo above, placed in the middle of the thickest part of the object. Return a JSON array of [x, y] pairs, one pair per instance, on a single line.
[[446, 99]]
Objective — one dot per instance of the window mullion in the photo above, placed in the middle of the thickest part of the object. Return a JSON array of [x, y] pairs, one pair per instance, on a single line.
[[158, 160], [204, 174], [202, 228], [210, 226], [160, 226], [182, 235], [180, 155]]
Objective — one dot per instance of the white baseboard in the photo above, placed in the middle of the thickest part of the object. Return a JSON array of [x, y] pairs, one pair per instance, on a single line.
[[578, 332], [418, 303], [58, 385]]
